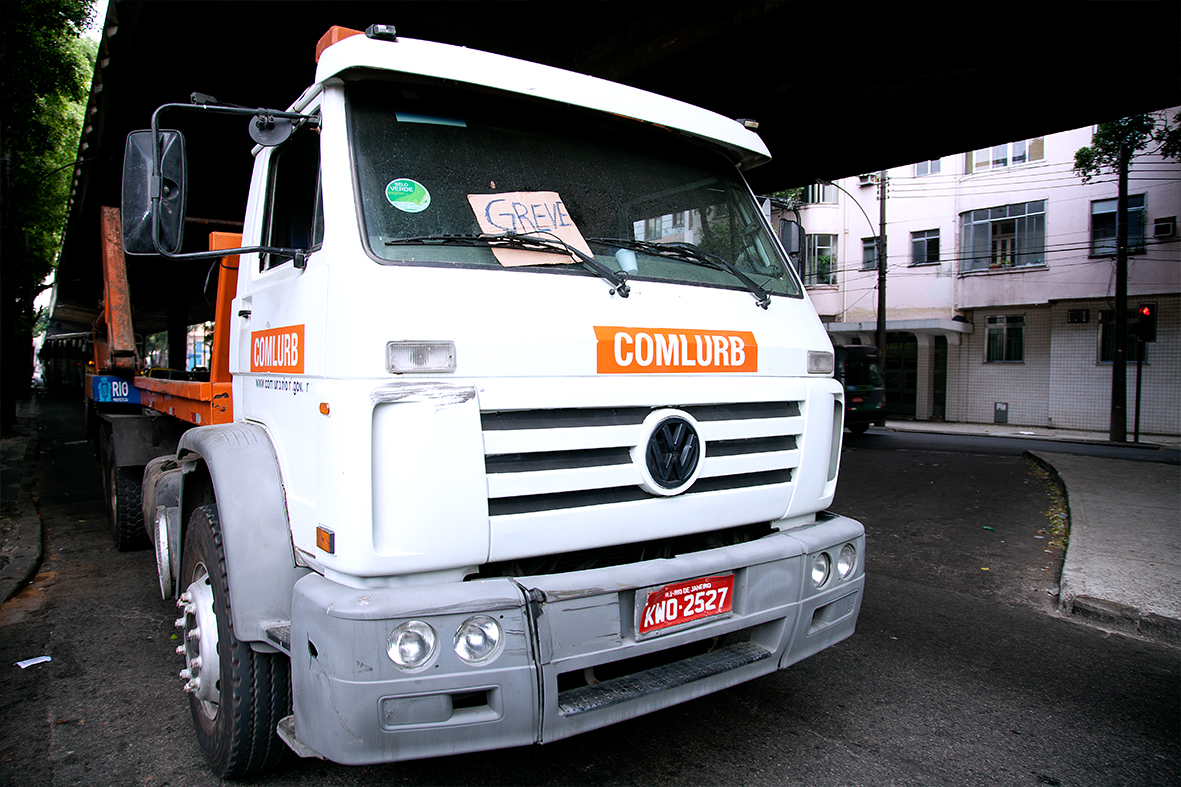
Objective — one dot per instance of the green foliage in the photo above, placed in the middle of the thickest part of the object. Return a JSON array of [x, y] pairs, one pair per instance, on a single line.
[[1125, 137], [795, 195], [45, 70], [45, 74]]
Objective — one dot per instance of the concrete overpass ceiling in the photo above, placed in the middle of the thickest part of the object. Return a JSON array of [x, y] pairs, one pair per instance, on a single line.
[[838, 88]]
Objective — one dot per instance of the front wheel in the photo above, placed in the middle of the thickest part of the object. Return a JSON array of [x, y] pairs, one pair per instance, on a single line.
[[237, 696]]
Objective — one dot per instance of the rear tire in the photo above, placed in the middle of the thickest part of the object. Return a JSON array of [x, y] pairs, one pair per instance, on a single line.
[[240, 695], [123, 490], [860, 428], [127, 514]]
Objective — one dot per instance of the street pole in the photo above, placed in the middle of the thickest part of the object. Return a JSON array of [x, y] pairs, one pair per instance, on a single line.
[[880, 334], [1119, 370], [1139, 378]]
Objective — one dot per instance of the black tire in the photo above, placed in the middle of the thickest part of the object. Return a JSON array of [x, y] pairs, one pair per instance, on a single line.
[[860, 428], [236, 724], [127, 513], [123, 491]]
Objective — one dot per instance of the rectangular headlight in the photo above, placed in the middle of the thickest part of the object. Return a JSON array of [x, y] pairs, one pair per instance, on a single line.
[[420, 357], [819, 362]]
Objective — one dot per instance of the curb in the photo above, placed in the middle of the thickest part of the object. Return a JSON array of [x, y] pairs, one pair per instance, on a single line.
[[1073, 439], [1121, 617], [1127, 619]]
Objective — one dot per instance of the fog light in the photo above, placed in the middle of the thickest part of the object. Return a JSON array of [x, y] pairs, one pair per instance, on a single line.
[[412, 645], [846, 561], [820, 362], [820, 568], [479, 640]]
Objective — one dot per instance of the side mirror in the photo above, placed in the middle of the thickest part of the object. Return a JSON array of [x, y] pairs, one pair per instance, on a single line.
[[153, 204], [791, 235]]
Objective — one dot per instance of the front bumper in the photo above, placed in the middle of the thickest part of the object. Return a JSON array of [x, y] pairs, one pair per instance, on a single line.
[[353, 706]]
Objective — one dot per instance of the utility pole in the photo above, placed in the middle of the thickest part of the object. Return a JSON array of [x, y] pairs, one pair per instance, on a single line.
[[880, 334], [1119, 371]]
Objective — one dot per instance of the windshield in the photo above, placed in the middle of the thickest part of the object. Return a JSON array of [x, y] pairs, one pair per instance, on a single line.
[[441, 169]]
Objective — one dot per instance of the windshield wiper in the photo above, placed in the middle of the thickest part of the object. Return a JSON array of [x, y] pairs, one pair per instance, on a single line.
[[529, 241], [687, 252]]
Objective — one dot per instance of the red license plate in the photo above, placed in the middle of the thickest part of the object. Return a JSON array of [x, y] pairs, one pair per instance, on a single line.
[[685, 602]]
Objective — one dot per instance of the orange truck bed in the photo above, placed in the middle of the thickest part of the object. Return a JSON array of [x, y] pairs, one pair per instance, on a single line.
[[198, 402]]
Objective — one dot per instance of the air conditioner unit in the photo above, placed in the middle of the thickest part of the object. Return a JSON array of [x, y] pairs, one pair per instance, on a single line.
[[1164, 228], [869, 180], [1078, 315]]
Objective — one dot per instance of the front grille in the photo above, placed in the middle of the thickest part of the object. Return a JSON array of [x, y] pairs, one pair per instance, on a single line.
[[635, 685], [561, 459], [623, 554]]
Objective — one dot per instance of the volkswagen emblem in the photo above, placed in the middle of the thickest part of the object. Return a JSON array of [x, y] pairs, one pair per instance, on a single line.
[[672, 455]]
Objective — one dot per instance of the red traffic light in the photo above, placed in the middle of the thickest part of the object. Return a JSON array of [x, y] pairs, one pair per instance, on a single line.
[[1146, 325]]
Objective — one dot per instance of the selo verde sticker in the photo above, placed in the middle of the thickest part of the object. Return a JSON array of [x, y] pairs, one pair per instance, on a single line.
[[408, 195]]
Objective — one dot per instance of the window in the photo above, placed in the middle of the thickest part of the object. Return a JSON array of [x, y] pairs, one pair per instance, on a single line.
[[820, 263], [457, 143], [296, 212], [869, 254], [924, 247], [1103, 214], [926, 168], [1006, 155], [1107, 337], [820, 193], [1010, 236], [1006, 339]]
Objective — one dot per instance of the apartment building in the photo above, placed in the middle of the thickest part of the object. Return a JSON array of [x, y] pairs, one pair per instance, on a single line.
[[1000, 283]]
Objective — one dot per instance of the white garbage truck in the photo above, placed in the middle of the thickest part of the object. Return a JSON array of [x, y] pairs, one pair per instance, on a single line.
[[519, 421]]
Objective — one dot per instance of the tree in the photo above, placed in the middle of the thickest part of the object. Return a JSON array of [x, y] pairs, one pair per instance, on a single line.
[[45, 71], [1113, 147]]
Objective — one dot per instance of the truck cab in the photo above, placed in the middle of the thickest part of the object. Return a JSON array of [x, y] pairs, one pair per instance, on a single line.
[[533, 428]]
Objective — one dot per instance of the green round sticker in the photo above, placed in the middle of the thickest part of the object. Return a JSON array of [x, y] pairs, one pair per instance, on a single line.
[[408, 195]]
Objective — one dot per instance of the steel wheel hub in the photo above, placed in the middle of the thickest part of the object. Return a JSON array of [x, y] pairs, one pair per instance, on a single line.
[[202, 667]]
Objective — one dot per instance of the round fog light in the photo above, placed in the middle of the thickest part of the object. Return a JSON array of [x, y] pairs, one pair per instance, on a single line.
[[478, 640], [847, 561], [820, 568], [412, 645]]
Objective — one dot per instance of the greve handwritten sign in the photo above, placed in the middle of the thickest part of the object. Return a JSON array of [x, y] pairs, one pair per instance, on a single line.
[[541, 212]]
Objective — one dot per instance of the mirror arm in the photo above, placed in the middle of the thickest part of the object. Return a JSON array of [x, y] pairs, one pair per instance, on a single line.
[[156, 185], [298, 256]]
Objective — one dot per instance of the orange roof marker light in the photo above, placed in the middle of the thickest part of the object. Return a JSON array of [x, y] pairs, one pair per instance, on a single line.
[[337, 33]]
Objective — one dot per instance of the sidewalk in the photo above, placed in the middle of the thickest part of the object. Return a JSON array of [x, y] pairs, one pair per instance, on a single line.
[[1123, 561], [1122, 567], [1147, 441], [20, 524]]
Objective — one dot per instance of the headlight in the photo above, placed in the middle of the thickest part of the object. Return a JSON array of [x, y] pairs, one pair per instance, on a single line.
[[820, 568], [846, 561], [412, 645], [478, 640]]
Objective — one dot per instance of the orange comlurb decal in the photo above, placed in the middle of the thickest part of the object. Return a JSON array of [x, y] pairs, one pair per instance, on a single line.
[[278, 350], [674, 350]]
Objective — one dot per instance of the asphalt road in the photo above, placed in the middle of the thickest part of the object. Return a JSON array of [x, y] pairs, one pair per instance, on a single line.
[[960, 673]]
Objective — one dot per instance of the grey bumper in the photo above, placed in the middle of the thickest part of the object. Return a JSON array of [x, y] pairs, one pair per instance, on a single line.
[[352, 705]]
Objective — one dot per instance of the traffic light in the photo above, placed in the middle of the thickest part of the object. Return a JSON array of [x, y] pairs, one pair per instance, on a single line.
[[1146, 325]]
